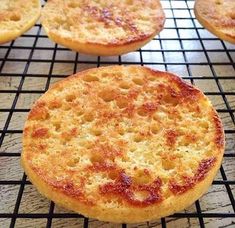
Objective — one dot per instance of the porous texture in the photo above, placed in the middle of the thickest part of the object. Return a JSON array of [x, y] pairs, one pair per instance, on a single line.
[[123, 144], [102, 27], [16, 17], [217, 16]]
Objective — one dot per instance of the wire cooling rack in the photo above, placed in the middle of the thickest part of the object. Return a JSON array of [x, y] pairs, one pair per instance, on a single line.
[[29, 65]]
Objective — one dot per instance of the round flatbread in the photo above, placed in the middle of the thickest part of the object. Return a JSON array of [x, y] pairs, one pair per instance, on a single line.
[[16, 17], [123, 144], [102, 27], [217, 16]]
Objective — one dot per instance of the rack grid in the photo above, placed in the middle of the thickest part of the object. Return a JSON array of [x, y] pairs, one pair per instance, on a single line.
[[30, 64]]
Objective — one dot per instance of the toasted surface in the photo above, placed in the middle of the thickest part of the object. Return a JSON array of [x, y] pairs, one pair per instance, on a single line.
[[217, 16], [102, 27], [16, 17], [123, 144]]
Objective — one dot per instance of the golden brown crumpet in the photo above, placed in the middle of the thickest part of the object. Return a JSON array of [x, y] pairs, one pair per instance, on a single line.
[[217, 16], [103, 27], [16, 17], [123, 144]]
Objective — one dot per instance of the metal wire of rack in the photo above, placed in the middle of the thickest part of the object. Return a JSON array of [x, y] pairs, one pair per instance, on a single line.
[[30, 64]]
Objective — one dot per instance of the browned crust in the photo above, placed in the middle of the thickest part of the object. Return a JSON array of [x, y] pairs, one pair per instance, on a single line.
[[40, 133], [73, 196], [116, 46], [168, 207], [189, 182], [219, 136], [215, 23], [13, 33]]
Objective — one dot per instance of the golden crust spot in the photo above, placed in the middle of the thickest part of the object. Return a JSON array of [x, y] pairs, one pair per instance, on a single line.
[[101, 167], [67, 135], [55, 103], [40, 133], [171, 137], [147, 109], [106, 151], [38, 112]]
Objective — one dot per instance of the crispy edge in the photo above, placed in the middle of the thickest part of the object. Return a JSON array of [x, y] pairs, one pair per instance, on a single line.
[[101, 49]]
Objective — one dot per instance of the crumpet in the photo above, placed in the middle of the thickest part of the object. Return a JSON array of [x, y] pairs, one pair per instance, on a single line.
[[102, 27], [123, 144], [217, 16], [16, 17]]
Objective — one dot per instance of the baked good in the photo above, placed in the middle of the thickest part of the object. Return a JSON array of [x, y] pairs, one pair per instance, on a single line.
[[123, 143], [217, 16], [102, 27], [16, 17]]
